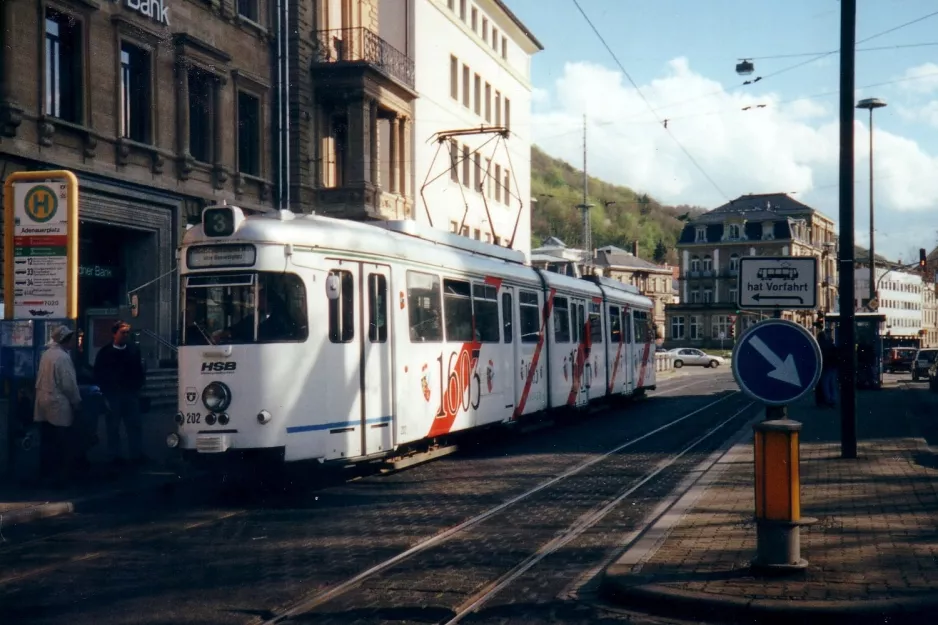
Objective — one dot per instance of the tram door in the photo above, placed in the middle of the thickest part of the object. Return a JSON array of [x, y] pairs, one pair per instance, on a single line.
[[580, 361], [361, 352]]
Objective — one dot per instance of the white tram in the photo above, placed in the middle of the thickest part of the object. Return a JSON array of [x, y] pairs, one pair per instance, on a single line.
[[306, 337]]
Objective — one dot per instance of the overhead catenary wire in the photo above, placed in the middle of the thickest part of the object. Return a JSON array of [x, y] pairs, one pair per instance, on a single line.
[[650, 107]]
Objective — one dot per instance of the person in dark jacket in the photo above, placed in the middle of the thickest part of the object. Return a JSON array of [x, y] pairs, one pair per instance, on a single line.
[[118, 370]]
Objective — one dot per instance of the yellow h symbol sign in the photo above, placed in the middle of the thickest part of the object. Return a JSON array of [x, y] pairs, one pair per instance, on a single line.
[[41, 203]]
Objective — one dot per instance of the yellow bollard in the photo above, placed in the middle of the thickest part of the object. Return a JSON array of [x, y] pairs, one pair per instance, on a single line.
[[778, 503]]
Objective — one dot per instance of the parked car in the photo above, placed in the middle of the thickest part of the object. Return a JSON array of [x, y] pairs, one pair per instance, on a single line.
[[923, 362], [899, 359], [933, 377], [690, 357]]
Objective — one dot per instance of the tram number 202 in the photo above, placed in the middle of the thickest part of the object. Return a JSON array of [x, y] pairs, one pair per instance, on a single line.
[[193, 417]]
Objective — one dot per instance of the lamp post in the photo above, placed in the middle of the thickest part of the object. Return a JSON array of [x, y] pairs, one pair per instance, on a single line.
[[870, 104]]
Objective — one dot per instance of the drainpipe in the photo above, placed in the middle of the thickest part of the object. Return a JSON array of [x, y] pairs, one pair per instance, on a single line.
[[279, 108], [286, 99]]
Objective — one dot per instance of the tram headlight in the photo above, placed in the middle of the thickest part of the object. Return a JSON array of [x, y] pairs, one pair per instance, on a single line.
[[216, 397], [172, 440]]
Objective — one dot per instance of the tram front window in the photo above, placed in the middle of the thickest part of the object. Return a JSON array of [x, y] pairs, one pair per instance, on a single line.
[[240, 309]]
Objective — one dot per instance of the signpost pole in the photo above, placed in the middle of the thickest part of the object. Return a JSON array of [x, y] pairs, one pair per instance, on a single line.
[[848, 362]]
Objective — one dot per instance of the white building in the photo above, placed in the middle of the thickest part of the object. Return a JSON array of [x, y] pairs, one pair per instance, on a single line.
[[900, 299], [473, 69]]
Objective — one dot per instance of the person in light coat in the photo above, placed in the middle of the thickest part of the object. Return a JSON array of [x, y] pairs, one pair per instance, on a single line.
[[57, 403]]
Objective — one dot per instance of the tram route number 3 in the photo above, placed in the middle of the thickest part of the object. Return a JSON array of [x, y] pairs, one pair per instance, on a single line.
[[193, 417], [463, 385]]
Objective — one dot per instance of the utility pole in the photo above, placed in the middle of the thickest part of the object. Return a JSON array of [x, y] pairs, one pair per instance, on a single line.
[[586, 206], [848, 357]]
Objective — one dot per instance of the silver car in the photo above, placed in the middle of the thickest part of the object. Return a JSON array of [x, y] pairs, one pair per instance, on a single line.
[[689, 356]]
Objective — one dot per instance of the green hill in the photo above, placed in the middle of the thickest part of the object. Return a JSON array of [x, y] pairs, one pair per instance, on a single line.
[[558, 188]]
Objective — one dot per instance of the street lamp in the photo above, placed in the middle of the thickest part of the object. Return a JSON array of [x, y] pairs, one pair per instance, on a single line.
[[870, 104], [744, 67]]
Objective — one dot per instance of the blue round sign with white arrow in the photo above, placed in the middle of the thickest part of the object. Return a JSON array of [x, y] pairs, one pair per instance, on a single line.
[[777, 362]]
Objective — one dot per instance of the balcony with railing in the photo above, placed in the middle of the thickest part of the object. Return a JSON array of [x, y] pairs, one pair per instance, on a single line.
[[362, 47]]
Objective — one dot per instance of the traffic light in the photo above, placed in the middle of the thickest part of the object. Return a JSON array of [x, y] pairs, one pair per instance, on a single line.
[[733, 330], [921, 258]]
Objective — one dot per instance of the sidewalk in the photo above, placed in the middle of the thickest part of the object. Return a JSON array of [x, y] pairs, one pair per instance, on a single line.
[[21, 503], [873, 553]]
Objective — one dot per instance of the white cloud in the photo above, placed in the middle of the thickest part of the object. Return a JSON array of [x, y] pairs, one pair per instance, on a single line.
[[925, 78], [783, 147], [927, 113]]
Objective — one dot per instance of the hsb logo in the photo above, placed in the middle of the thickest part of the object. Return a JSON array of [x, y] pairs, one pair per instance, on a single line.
[[209, 367]]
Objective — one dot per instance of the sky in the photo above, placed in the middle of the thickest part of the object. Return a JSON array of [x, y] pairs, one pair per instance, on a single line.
[[682, 55]]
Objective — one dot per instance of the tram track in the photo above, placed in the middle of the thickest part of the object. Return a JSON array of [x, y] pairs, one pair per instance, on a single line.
[[566, 535], [153, 534]]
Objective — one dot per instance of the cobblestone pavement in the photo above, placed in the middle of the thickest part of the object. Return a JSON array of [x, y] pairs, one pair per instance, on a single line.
[[201, 560], [876, 538]]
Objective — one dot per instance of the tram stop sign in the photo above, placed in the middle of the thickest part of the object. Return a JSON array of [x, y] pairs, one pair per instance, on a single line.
[[777, 362]]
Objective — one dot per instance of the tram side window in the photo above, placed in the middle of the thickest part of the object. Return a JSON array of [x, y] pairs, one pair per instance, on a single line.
[[242, 309], [457, 310], [562, 320], [377, 308], [342, 309], [615, 326], [578, 318], [485, 309], [424, 309], [641, 327], [529, 314], [507, 334], [596, 324], [627, 325]]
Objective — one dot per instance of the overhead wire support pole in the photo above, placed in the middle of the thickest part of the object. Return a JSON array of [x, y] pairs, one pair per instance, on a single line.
[[847, 338]]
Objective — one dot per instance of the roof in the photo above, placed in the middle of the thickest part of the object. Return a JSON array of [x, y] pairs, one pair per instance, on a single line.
[[621, 258], [756, 207], [932, 255], [514, 18], [553, 242]]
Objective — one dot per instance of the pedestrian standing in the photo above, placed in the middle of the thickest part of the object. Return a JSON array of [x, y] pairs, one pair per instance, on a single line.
[[57, 403], [118, 371]]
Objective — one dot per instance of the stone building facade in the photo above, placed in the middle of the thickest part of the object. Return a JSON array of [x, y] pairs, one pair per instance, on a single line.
[[159, 108]]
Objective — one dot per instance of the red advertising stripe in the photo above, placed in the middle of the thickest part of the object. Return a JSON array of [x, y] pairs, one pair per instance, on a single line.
[[457, 388], [615, 365], [641, 376], [496, 282], [548, 306]]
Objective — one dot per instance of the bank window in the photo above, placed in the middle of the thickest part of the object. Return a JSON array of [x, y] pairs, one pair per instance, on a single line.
[[488, 102], [677, 328], [454, 77], [529, 315], [248, 9], [562, 320], [342, 309], [249, 134], [424, 309], [135, 93], [201, 112], [596, 324], [238, 309], [63, 69], [507, 328], [694, 328], [457, 310], [377, 308], [615, 325], [485, 311]]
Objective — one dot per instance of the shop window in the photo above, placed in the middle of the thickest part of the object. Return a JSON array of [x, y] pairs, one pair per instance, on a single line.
[[201, 112], [377, 308], [63, 71], [596, 324], [561, 320], [507, 328], [529, 315], [457, 310], [248, 9], [677, 328], [135, 95], [423, 305], [249, 134], [615, 326], [694, 328], [485, 311], [342, 309]]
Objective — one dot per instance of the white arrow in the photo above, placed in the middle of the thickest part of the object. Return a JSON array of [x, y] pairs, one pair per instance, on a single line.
[[784, 371]]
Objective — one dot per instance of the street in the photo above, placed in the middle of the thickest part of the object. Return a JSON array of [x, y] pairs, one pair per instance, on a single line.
[[515, 532]]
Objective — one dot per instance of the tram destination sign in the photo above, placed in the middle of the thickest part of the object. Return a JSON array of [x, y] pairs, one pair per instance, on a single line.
[[777, 282]]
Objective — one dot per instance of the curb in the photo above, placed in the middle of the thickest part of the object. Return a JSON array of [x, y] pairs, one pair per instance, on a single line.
[[626, 590], [49, 510]]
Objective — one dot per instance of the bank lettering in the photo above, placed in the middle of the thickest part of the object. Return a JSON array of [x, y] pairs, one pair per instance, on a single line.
[[156, 10]]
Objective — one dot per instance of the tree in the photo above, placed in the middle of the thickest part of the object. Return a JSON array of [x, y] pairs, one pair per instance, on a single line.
[[661, 252]]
